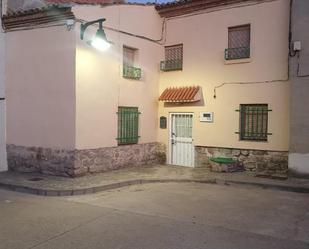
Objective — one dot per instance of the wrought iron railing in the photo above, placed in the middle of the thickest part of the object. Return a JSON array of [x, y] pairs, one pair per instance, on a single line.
[[237, 53], [171, 65], [132, 72]]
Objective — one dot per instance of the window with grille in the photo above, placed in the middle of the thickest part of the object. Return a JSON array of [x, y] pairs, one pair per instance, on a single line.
[[128, 125], [238, 43], [129, 60], [254, 122], [128, 56], [173, 58]]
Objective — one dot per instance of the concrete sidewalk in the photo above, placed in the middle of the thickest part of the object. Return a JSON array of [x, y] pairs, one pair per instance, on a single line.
[[61, 186]]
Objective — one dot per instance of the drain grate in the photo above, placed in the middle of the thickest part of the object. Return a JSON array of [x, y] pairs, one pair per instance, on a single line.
[[35, 179]]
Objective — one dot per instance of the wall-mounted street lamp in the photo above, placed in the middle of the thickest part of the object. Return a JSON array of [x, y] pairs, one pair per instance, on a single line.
[[99, 41]]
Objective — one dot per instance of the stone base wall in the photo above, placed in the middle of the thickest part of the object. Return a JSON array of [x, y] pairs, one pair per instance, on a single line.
[[104, 159], [298, 165], [260, 161], [74, 163], [44, 160]]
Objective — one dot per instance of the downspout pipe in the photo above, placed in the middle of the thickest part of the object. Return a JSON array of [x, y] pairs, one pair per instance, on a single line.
[[290, 37]]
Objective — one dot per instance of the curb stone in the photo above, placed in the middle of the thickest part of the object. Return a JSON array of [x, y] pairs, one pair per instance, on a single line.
[[101, 188], [287, 188]]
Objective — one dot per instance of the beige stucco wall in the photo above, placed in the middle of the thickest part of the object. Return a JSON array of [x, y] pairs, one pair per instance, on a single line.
[[204, 39], [100, 87], [40, 72]]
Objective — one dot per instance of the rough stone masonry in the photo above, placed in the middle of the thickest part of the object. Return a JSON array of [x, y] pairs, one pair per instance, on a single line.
[[263, 162], [75, 163]]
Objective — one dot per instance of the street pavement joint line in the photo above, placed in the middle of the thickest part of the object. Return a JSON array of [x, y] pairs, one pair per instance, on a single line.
[[189, 222], [70, 230], [298, 221]]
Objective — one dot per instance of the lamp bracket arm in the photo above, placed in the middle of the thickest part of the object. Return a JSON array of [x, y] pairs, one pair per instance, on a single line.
[[84, 26]]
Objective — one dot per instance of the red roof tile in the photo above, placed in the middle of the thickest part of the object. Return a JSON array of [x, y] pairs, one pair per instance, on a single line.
[[182, 7], [37, 17], [180, 94]]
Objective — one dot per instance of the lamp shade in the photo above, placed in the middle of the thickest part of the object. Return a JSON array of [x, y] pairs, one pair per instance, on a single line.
[[99, 41]]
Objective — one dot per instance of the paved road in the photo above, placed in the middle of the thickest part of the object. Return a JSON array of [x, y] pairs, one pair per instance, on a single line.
[[157, 216]]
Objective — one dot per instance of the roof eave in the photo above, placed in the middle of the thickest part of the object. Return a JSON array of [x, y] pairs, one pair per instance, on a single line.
[[178, 8]]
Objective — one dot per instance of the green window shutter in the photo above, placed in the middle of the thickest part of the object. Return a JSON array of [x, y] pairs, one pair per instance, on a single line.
[[128, 118]]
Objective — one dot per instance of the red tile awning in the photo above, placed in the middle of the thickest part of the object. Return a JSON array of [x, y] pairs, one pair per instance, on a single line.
[[181, 94]]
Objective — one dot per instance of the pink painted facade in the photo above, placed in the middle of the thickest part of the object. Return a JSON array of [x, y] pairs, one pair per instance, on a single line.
[[66, 94]]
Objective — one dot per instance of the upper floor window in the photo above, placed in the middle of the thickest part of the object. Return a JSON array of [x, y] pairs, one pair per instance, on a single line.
[[254, 122], [173, 58], [238, 43], [129, 61]]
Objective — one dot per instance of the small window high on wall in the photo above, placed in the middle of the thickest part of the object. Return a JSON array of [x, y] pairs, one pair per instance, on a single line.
[[130, 70], [238, 43], [173, 58]]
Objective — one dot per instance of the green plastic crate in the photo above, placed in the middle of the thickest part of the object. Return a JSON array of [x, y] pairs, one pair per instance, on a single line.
[[223, 160]]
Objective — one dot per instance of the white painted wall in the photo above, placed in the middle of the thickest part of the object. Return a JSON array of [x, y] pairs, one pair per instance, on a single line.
[[40, 76], [100, 87], [3, 162]]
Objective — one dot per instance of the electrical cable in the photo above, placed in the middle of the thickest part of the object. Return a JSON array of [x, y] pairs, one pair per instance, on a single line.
[[158, 41], [267, 81], [246, 83], [162, 39]]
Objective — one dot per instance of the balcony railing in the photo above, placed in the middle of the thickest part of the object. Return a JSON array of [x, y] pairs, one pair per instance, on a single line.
[[171, 65], [237, 53], [132, 72]]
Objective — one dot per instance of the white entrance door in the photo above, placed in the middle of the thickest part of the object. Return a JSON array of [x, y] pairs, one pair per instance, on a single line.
[[181, 142]]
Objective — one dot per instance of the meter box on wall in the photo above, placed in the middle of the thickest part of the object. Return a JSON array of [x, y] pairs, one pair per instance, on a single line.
[[207, 117]]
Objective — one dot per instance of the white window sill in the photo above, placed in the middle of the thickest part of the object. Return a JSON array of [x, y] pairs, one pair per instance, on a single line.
[[237, 61]]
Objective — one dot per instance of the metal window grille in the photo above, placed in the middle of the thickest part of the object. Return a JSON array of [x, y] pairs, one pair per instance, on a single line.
[[128, 56], [173, 58], [183, 126], [127, 125], [238, 43], [132, 72], [254, 122]]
